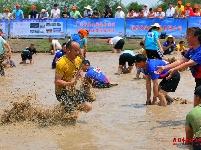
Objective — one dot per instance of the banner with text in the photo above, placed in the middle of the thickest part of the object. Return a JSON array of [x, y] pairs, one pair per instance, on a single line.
[[38, 28], [138, 27], [4, 27], [103, 27], [194, 22]]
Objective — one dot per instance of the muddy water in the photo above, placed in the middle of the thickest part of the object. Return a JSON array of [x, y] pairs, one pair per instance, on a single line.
[[119, 119]]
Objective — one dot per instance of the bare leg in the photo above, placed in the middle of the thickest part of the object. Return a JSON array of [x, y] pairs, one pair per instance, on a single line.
[[86, 107], [161, 95], [169, 99], [118, 50], [120, 69], [31, 61], [130, 69]]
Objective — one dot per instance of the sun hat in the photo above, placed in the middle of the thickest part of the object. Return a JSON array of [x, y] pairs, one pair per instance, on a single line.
[[179, 2], [88, 7], [83, 32], [33, 6], [108, 40], [17, 5], [170, 36], [74, 7], [157, 25], [188, 4], [145, 5], [6, 9], [119, 7], [159, 9], [43, 10], [196, 6]]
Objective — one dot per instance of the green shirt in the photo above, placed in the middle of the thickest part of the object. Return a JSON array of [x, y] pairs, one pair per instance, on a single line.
[[193, 120], [75, 14], [2, 42]]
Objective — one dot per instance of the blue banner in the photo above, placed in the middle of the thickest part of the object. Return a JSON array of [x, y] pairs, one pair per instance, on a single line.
[[138, 27], [103, 27], [38, 28], [4, 27], [194, 22]]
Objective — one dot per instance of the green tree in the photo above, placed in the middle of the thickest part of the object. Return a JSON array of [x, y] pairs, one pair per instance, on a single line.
[[11, 4], [135, 6]]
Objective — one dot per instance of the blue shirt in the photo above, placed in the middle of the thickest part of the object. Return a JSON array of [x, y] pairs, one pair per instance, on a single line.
[[150, 40], [58, 55], [195, 55], [152, 67], [128, 52], [168, 51], [18, 13], [76, 37], [82, 42], [96, 74]]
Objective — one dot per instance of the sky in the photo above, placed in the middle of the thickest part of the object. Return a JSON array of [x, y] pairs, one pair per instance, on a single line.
[[150, 3]]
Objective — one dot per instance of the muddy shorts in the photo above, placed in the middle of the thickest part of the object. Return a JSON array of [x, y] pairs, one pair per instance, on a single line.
[[126, 57], [71, 102], [198, 82], [101, 85], [26, 54], [2, 73], [171, 84]]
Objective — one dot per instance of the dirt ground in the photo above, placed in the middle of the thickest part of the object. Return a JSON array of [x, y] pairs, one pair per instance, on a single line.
[[119, 119]]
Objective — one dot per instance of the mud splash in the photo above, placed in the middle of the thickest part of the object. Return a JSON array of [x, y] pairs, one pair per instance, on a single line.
[[25, 111], [179, 100]]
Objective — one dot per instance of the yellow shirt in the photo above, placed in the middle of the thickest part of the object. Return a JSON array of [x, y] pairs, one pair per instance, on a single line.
[[67, 70], [180, 48], [144, 52], [181, 9]]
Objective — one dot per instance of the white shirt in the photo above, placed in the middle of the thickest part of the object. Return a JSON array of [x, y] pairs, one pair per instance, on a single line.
[[88, 13], [58, 45], [114, 40], [158, 15], [170, 12], [6, 16], [119, 14], [55, 13], [146, 11]]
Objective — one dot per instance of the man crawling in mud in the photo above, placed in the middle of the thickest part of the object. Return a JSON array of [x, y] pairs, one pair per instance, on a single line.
[[164, 87], [68, 72]]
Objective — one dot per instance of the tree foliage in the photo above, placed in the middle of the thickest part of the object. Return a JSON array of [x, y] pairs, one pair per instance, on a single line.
[[100, 4], [135, 6]]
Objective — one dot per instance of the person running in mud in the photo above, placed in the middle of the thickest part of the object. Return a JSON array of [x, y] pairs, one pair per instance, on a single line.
[[2, 44], [99, 79], [192, 58], [193, 124], [27, 54], [159, 90], [68, 72], [58, 55]]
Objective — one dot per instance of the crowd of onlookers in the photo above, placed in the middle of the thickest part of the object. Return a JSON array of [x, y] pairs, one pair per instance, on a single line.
[[179, 11]]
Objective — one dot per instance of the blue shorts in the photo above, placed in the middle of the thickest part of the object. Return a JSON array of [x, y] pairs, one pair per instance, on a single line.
[[139, 71]]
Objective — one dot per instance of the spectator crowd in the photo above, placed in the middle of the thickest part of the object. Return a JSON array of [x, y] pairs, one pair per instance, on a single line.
[[179, 11]]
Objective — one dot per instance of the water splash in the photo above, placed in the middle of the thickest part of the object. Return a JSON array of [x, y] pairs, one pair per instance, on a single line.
[[24, 111]]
